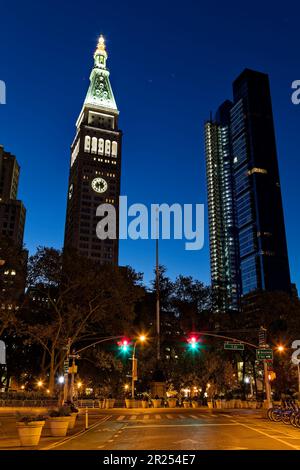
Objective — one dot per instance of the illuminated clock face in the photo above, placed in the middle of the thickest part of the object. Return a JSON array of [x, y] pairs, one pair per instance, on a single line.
[[70, 191], [99, 185]]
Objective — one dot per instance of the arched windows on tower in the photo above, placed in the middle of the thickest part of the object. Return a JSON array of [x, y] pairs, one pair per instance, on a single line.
[[107, 148], [101, 146], [87, 144], [114, 149], [94, 144]]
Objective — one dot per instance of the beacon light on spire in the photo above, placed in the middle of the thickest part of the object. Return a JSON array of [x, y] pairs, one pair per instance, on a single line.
[[101, 50]]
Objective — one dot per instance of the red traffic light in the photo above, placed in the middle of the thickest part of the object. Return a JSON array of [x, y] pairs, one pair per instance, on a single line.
[[124, 345], [193, 342]]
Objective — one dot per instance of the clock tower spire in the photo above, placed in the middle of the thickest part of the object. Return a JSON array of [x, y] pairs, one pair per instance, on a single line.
[[95, 165]]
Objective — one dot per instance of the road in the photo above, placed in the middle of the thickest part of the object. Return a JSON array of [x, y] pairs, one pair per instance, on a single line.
[[182, 429]]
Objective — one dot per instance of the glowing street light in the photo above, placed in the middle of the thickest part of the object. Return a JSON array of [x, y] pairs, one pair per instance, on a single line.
[[61, 379], [280, 348], [40, 383]]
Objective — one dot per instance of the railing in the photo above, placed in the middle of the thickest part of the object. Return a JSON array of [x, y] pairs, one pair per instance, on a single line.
[[27, 403]]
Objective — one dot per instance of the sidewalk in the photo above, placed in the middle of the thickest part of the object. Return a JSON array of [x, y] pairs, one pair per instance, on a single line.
[[9, 436]]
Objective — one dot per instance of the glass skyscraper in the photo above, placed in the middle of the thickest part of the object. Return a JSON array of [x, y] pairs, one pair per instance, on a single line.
[[247, 233]]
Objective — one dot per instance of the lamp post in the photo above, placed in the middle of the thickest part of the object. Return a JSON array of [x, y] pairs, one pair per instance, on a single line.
[[140, 339]]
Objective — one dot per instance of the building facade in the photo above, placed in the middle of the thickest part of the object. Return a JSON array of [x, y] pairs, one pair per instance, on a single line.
[[12, 211], [13, 257], [255, 196], [95, 167], [221, 211]]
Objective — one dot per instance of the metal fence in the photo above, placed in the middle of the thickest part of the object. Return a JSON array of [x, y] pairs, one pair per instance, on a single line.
[[27, 403]]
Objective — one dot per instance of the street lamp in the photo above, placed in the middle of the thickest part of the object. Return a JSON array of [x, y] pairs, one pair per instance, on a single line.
[[40, 383], [142, 338]]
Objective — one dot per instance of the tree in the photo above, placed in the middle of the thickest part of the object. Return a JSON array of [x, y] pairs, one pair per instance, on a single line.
[[78, 300]]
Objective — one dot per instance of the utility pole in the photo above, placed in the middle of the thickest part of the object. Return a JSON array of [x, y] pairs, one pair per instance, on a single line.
[[66, 371], [133, 370], [157, 304], [262, 340]]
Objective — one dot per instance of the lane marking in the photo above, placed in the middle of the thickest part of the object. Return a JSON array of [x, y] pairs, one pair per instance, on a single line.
[[157, 416], [181, 425], [79, 433], [133, 417], [181, 416], [170, 416], [120, 418], [269, 435], [146, 417], [194, 416]]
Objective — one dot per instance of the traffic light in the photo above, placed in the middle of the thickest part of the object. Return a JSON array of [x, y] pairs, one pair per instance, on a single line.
[[124, 346], [193, 343]]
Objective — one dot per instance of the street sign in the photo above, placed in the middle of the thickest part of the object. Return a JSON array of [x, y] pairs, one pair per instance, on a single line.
[[234, 346], [66, 366], [263, 354]]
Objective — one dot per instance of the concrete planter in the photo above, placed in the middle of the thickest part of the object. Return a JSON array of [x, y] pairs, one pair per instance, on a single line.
[[156, 403], [59, 426], [109, 402], [186, 404], [172, 402], [30, 433], [145, 404], [72, 420], [219, 404], [195, 404], [210, 404], [129, 402]]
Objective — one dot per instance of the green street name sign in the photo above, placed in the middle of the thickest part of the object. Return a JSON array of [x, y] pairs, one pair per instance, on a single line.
[[262, 354], [234, 346]]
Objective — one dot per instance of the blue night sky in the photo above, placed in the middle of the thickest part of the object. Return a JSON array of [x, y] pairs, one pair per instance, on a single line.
[[170, 63]]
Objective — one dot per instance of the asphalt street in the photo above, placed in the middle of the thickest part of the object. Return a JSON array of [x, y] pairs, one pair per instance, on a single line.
[[186, 430]]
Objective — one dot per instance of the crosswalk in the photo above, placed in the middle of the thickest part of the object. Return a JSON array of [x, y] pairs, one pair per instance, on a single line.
[[166, 416]]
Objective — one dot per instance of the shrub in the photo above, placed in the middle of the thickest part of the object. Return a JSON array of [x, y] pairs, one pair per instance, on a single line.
[[29, 418], [60, 412]]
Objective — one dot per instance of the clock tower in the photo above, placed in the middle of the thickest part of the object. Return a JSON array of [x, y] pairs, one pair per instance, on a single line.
[[95, 166]]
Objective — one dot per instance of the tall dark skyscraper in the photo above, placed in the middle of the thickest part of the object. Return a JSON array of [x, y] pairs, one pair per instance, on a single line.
[[247, 231], [95, 166], [12, 211], [12, 222]]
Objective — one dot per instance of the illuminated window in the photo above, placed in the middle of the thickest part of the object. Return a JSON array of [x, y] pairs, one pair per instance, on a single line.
[[87, 144], [257, 170], [94, 144], [107, 148], [114, 149], [101, 146]]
